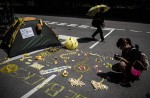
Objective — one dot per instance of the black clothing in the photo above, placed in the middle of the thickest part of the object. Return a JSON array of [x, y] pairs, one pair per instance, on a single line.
[[131, 54], [98, 19], [99, 30], [98, 22]]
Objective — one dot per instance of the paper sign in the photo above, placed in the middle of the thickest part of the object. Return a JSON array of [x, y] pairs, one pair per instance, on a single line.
[[27, 32]]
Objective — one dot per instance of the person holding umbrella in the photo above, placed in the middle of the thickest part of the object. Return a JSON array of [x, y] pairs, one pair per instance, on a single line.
[[98, 19], [98, 22]]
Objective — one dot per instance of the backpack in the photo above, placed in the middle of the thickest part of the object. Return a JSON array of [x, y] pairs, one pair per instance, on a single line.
[[144, 60], [95, 23]]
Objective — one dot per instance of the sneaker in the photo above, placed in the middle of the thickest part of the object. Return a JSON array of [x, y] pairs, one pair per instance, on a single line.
[[94, 38], [102, 40]]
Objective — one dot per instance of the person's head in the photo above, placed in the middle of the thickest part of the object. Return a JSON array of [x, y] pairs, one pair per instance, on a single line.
[[124, 43]]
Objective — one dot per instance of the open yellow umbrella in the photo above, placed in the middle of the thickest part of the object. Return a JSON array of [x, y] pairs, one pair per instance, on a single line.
[[95, 9]]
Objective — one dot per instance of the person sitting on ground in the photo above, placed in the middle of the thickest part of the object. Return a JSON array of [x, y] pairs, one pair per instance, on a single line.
[[128, 56]]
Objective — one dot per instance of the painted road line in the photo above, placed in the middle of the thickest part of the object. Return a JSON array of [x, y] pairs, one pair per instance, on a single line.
[[53, 23], [20, 56], [64, 37], [46, 21], [134, 31], [38, 86], [83, 26], [93, 27], [73, 25], [100, 39], [147, 32], [120, 29], [102, 28], [107, 28], [62, 24]]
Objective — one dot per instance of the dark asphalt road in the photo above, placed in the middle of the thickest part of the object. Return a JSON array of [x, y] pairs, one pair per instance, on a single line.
[[92, 55]]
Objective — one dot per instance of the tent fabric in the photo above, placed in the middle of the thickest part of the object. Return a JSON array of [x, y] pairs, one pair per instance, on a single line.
[[46, 39]]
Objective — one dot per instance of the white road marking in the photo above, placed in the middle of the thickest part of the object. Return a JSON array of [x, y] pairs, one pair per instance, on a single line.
[[134, 31], [38, 87], [107, 28], [102, 28], [100, 39], [120, 29], [20, 56], [46, 21], [83, 26], [64, 37], [73, 25], [53, 23], [147, 32], [86, 26], [62, 24], [93, 28]]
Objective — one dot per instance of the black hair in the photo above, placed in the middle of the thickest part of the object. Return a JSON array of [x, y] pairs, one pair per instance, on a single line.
[[122, 41]]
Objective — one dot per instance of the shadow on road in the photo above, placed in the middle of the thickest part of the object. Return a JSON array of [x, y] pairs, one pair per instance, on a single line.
[[115, 76], [112, 77], [86, 39], [147, 95]]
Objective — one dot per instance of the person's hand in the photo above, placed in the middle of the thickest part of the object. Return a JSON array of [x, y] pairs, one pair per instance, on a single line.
[[117, 57], [123, 59]]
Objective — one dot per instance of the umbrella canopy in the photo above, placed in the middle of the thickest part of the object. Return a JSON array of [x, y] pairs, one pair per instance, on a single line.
[[95, 9]]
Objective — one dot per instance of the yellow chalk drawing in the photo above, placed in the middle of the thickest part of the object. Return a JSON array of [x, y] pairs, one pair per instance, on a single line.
[[37, 66], [76, 82], [9, 68], [53, 49], [51, 89], [33, 79], [54, 90], [44, 53], [27, 63], [38, 57], [99, 85], [82, 66], [73, 94], [20, 73], [26, 55], [65, 56]]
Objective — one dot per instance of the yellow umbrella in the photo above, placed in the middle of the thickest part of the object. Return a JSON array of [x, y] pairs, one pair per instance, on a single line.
[[95, 9]]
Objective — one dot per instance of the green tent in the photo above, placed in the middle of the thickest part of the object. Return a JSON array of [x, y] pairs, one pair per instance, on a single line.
[[23, 37]]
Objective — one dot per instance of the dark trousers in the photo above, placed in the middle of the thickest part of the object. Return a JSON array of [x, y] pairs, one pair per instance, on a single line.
[[99, 30]]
